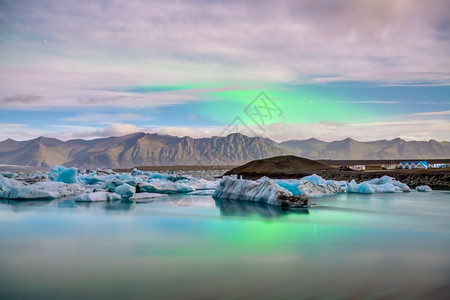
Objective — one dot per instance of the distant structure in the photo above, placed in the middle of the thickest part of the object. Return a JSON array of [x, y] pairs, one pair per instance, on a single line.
[[422, 164], [353, 168], [389, 166], [438, 166]]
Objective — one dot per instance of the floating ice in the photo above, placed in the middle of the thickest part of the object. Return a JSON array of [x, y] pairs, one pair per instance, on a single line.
[[40, 190], [37, 186], [202, 184], [8, 174], [289, 184], [310, 189], [264, 191], [125, 190], [146, 197], [310, 186], [7, 184], [384, 184], [362, 188], [164, 187], [63, 174], [423, 188], [272, 191], [97, 196]]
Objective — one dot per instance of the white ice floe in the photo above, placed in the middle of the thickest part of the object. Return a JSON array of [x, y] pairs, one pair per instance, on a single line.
[[423, 188], [310, 186], [97, 196], [69, 182], [265, 191], [125, 190], [269, 190], [165, 187], [310, 189], [13, 189], [203, 184], [146, 197], [361, 188], [384, 184]]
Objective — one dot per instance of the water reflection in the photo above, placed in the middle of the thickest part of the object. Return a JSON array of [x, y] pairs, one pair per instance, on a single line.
[[122, 205], [21, 205], [247, 208]]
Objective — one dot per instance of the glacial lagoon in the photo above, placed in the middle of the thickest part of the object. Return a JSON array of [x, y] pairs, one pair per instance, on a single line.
[[194, 247]]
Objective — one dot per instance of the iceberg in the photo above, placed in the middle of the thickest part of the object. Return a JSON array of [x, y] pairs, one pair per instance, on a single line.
[[125, 190], [111, 184], [311, 189], [63, 174], [62, 181], [385, 184], [292, 185], [146, 197], [203, 184], [264, 191], [8, 174], [423, 188], [7, 184], [362, 188], [310, 186], [164, 187], [97, 196], [275, 191], [39, 190]]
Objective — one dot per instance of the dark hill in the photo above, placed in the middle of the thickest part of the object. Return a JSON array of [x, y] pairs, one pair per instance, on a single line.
[[287, 166]]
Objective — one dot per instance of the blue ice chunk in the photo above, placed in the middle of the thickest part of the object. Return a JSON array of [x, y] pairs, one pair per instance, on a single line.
[[63, 174], [111, 184], [316, 179], [90, 178], [289, 184], [137, 179], [362, 188], [387, 187], [8, 174], [125, 190], [125, 176], [423, 188]]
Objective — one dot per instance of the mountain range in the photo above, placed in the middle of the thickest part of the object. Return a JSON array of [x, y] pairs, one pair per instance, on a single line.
[[144, 149]]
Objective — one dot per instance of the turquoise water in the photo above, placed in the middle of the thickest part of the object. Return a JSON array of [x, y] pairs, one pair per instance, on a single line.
[[193, 247]]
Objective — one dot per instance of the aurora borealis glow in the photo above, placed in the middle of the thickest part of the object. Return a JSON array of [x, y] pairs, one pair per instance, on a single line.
[[362, 69]]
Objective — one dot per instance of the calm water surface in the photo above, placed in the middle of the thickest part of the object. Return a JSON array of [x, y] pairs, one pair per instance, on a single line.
[[193, 247]]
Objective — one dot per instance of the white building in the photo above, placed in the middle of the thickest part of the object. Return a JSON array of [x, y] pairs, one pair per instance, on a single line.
[[413, 165]]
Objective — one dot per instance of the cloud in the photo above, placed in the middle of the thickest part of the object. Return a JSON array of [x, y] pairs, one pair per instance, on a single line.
[[104, 43], [118, 130], [21, 99], [433, 113], [105, 118], [83, 54]]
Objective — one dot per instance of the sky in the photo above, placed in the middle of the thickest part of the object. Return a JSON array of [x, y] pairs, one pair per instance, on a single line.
[[368, 70]]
